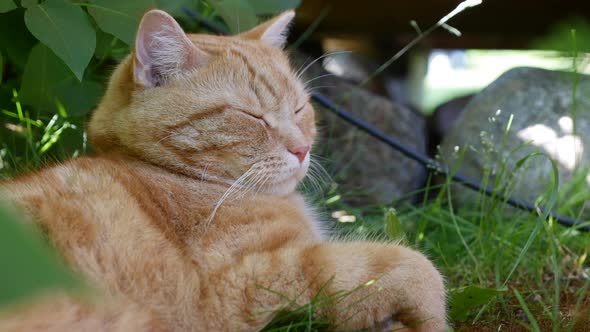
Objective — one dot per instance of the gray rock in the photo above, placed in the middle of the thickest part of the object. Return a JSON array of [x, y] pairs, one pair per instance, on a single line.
[[540, 103], [366, 170]]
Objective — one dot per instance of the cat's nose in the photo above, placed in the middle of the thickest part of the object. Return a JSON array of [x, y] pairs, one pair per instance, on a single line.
[[300, 152]]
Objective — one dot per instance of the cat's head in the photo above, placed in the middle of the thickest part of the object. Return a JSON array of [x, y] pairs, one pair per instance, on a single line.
[[210, 106]]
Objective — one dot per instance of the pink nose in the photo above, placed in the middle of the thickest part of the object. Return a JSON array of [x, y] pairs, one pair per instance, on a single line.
[[300, 152]]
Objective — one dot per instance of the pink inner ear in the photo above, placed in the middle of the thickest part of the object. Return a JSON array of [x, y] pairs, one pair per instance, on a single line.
[[141, 61], [163, 50], [276, 34]]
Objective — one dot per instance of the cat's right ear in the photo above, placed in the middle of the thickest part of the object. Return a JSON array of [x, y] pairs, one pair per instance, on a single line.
[[162, 50]]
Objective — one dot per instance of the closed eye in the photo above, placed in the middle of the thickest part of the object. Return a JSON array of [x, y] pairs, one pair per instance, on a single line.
[[299, 109], [256, 117]]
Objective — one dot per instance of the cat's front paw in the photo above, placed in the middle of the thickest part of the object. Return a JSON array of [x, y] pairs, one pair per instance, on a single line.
[[423, 303], [409, 295], [378, 284]]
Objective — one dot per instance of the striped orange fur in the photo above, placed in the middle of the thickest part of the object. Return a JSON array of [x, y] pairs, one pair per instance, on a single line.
[[188, 216]]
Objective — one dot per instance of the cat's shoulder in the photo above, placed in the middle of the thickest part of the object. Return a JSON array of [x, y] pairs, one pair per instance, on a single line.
[[67, 177]]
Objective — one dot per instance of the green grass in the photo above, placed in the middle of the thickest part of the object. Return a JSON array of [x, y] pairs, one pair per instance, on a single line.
[[28, 142], [503, 267], [536, 268], [522, 271]]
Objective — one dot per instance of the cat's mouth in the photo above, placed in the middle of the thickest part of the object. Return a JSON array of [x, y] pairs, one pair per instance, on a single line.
[[272, 176]]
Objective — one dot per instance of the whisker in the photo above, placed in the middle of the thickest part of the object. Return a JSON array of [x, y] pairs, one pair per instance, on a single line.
[[251, 183], [300, 73], [317, 78], [266, 178], [314, 182], [171, 134], [256, 186], [300, 68], [310, 90], [233, 188], [317, 166], [318, 157], [205, 171], [317, 176]]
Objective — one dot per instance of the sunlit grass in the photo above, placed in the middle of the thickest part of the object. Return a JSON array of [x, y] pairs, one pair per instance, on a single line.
[[538, 267], [29, 141]]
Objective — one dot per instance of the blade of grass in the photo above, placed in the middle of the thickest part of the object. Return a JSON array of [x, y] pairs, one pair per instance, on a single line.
[[528, 313]]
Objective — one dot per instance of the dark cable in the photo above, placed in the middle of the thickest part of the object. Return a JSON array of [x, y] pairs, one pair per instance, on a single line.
[[206, 23], [431, 165]]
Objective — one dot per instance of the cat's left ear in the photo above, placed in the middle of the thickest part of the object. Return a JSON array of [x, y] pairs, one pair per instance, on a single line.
[[272, 32], [162, 50]]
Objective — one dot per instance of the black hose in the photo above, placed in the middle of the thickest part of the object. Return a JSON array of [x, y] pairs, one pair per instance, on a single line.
[[433, 166]]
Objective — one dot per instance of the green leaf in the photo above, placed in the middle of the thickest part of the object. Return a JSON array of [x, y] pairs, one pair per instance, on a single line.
[[119, 18], [28, 264], [529, 314], [1, 67], [7, 5], [28, 3], [104, 44], [237, 14], [17, 44], [109, 46], [66, 30], [393, 226], [271, 7], [46, 79], [79, 98], [43, 72], [172, 6], [463, 300]]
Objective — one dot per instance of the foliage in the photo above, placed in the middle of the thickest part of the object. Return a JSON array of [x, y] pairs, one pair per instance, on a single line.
[[559, 36], [28, 265], [465, 299], [240, 15], [393, 226]]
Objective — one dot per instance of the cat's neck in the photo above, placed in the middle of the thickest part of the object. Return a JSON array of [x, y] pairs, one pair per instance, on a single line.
[[203, 179]]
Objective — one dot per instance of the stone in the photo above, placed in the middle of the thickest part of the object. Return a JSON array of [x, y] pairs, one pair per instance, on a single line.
[[539, 105], [443, 118], [367, 171]]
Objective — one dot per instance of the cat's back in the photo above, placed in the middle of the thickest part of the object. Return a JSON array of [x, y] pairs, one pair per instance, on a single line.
[[90, 183], [84, 201]]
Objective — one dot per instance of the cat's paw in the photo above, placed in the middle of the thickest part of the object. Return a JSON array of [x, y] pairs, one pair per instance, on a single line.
[[424, 306], [383, 283], [410, 295]]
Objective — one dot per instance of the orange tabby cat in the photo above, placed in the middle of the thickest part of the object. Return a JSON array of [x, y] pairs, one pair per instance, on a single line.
[[188, 220]]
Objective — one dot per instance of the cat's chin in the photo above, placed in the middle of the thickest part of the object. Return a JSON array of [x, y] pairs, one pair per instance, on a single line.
[[282, 188]]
